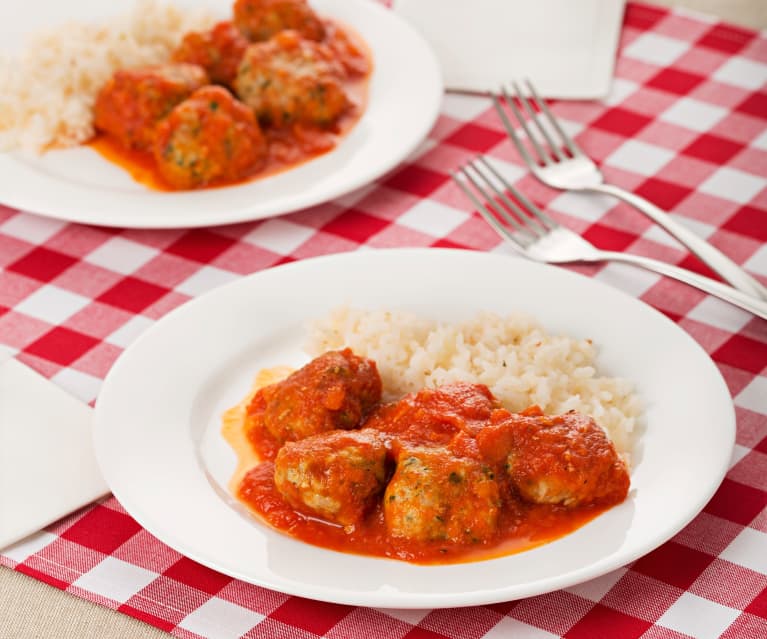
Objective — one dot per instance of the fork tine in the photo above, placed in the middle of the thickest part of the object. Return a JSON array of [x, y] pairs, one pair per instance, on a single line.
[[568, 141], [521, 149], [536, 212], [534, 117], [534, 226], [489, 217], [546, 222], [493, 204], [542, 155]]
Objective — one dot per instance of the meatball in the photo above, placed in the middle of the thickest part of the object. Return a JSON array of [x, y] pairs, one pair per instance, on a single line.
[[349, 54], [436, 414], [289, 80], [336, 476], [131, 104], [435, 495], [208, 137], [261, 19], [218, 51], [562, 459], [334, 391]]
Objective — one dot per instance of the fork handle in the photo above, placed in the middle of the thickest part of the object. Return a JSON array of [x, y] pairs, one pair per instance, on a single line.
[[708, 254], [727, 293]]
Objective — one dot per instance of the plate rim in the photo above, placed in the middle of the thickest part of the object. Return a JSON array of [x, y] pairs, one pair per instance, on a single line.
[[431, 600]]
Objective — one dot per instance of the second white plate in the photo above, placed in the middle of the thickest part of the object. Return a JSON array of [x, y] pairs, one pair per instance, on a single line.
[[80, 186], [157, 421]]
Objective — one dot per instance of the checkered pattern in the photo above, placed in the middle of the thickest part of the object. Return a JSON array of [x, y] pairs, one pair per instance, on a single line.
[[685, 125]]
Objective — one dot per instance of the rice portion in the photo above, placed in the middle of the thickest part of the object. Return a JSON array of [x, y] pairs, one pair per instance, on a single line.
[[513, 355], [47, 94]]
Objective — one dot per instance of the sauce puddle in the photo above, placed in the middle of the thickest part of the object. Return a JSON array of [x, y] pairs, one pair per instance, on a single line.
[[522, 526], [287, 149]]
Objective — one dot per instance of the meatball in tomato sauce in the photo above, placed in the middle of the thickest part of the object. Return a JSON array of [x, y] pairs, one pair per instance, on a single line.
[[336, 476], [261, 19], [351, 56], [334, 391], [290, 80], [436, 415], [561, 459], [218, 51], [209, 137], [133, 101], [435, 495]]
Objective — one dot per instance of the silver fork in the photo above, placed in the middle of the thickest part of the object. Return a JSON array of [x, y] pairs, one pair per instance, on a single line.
[[557, 161], [538, 237]]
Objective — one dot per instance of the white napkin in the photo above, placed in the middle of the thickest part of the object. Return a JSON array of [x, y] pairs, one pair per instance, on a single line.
[[565, 47], [47, 465]]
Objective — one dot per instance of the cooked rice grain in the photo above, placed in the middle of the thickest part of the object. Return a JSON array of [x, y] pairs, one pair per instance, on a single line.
[[47, 94], [520, 363]]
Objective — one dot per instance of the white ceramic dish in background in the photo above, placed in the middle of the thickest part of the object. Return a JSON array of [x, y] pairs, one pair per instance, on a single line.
[[566, 48], [158, 417], [80, 186]]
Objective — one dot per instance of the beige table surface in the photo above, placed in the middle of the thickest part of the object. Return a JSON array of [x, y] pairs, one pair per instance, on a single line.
[[30, 609]]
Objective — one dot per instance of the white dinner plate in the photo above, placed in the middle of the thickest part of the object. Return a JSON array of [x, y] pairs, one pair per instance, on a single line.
[[78, 185], [157, 421]]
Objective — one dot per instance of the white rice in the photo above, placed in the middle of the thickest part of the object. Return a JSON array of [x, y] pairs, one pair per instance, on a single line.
[[520, 363], [47, 94]]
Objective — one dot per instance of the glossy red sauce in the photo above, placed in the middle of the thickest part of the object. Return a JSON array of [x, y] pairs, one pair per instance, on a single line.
[[429, 420], [287, 149], [521, 527]]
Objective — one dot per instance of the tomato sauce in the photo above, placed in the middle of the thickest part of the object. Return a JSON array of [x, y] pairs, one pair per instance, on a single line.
[[426, 420], [521, 527], [287, 148]]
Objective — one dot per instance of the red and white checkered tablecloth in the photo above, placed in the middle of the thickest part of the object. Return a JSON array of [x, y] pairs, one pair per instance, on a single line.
[[685, 125]]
